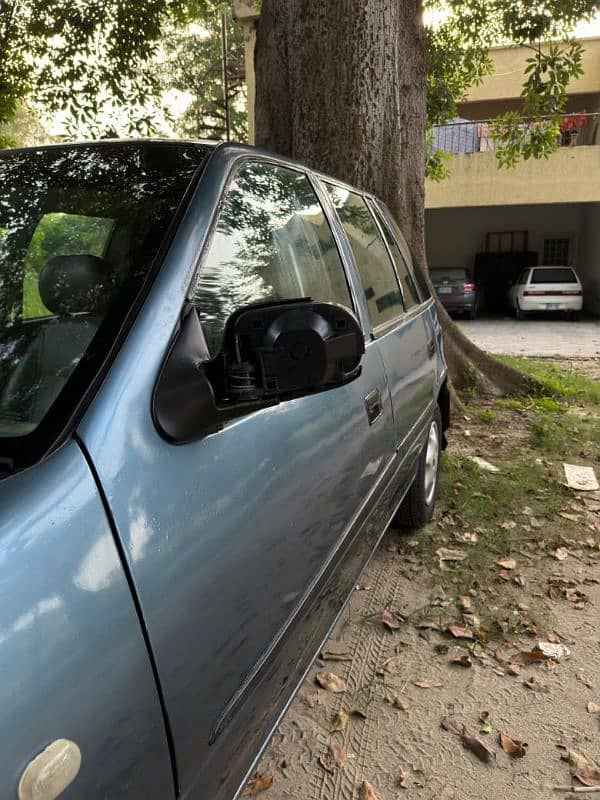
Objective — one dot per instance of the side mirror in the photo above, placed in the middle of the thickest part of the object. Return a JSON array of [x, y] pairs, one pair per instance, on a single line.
[[271, 352]]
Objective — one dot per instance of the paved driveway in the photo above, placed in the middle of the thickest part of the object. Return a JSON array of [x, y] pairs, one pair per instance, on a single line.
[[536, 337]]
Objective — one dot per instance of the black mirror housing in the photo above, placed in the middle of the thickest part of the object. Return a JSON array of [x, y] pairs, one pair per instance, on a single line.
[[271, 352]]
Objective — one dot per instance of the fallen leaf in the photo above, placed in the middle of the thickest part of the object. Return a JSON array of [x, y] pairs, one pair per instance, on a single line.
[[329, 655], [428, 625], [509, 525], [583, 770], [459, 631], [401, 703], [529, 657], [447, 794], [535, 686], [593, 708], [390, 620], [327, 766], [487, 728], [507, 563], [260, 784], [514, 747], [536, 523], [339, 722], [422, 684], [331, 682], [477, 746], [367, 792], [338, 755], [513, 669], [560, 553], [402, 778], [462, 661], [451, 725], [483, 464], [463, 601]]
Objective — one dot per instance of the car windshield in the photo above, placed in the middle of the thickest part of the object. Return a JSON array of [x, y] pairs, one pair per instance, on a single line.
[[448, 274], [553, 275], [80, 227]]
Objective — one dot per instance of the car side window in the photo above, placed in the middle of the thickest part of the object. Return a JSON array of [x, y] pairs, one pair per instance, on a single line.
[[379, 279], [271, 241], [409, 289], [523, 276]]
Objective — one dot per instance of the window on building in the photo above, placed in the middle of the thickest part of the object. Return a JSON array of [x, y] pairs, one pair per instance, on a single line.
[[557, 252]]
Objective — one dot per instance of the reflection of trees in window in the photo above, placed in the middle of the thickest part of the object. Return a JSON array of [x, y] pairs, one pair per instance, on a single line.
[[138, 185], [272, 241]]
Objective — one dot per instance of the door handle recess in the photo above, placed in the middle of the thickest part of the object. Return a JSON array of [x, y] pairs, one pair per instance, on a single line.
[[373, 406]]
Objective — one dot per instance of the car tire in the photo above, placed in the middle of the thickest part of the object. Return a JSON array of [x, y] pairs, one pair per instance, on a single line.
[[418, 505], [518, 313]]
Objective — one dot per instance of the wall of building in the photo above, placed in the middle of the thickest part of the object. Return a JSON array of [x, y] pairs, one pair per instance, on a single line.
[[509, 66], [588, 261], [570, 175]]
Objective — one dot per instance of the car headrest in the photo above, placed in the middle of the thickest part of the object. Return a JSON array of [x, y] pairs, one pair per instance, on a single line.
[[76, 283]]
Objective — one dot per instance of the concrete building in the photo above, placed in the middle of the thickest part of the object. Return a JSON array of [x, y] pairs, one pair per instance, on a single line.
[[484, 218]]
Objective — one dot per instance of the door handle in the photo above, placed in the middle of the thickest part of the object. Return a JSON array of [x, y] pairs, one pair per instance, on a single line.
[[373, 406], [431, 348]]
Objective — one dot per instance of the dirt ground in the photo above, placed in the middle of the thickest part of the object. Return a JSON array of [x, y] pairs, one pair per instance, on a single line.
[[402, 679]]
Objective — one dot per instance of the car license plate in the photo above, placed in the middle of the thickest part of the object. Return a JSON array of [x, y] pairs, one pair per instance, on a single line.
[[554, 306], [444, 290]]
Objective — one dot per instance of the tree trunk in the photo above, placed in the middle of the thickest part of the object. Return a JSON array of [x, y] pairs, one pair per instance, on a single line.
[[341, 85]]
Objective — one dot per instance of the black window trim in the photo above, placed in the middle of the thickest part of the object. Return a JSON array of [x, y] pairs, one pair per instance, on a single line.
[[234, 167]]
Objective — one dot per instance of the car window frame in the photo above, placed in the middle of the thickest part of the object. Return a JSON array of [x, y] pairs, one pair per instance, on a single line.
[[373, 331], [235, 166]]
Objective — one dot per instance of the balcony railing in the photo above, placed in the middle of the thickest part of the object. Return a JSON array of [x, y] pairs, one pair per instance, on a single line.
[[476, 136]]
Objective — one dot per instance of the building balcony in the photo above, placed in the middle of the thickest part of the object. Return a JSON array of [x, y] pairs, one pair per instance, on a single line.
[[570, 175]]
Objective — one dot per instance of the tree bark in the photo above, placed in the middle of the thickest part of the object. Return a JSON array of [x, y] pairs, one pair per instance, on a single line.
[[341, 86]]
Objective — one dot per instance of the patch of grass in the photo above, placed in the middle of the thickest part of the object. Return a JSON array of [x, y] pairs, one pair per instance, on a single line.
[[565, 435], [487, 416], [511, 403], [557, 382]]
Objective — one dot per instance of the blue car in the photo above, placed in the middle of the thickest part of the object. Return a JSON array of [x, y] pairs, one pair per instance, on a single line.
[[220, 381]]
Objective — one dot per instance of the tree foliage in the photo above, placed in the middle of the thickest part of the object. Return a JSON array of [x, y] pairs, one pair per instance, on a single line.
[[193, 65], [458, 44], [80, 55]]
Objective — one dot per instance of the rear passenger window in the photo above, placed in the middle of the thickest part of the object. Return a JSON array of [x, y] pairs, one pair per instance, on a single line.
[[272, 241], [380, 284], [409, 290]]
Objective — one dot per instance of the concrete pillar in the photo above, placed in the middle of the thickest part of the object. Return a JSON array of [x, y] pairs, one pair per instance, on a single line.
[[246, 13]]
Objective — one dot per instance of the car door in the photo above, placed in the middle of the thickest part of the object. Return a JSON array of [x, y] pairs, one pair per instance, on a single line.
[[233, 539], [399, 321]]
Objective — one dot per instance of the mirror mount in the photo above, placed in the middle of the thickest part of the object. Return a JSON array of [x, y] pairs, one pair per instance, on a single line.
[[271, 352]]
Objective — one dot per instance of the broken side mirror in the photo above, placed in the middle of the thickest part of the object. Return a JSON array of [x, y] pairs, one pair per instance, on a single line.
[[271, 352]]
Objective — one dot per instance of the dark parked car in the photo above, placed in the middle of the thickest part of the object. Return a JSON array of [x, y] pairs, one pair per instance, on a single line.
[[220, 381], [456, 289]]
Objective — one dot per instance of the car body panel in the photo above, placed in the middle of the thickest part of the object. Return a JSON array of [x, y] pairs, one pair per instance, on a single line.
[[450, 288], [207, 543], [530, 294], [73, 661]]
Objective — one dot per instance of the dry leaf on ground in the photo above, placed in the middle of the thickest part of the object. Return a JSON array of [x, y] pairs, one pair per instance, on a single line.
[[367, 792], [560, 553], [459, 631], [260, 784], [593, 708], [329, 655], [473, 743], [422, 684], [483, 464], [554, 651], [331, 682], [390, 620], [401, 703], [339, 721], [514, 747], [402, 778], [507, 563], [529, 657], [337, 755], [583, 770]]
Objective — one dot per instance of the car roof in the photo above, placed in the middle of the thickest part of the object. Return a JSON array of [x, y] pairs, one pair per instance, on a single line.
[[124, 143]]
